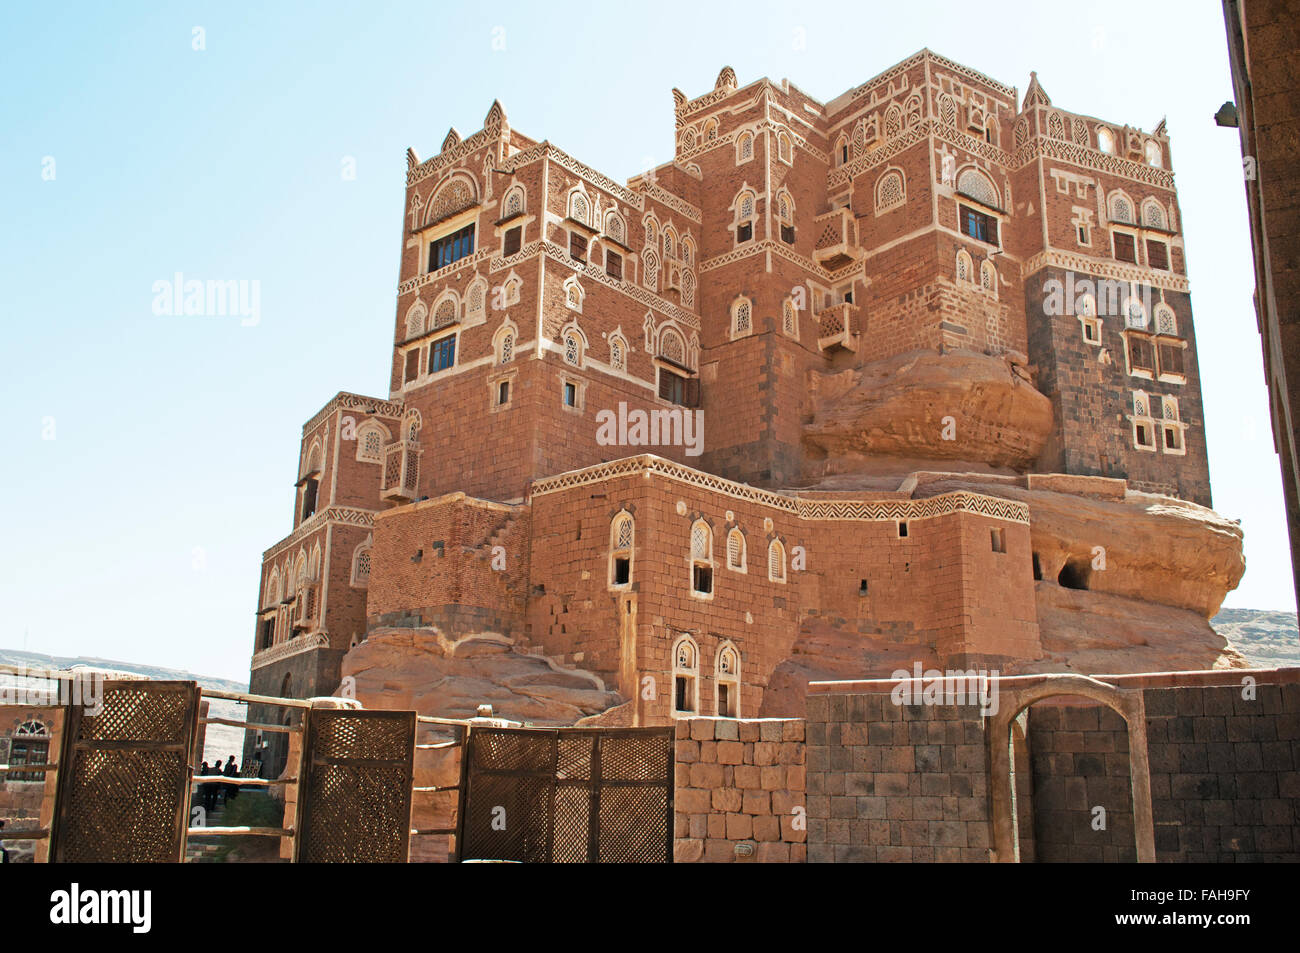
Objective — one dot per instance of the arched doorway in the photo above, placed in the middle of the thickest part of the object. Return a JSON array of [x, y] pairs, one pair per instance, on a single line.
[[1017, 694]]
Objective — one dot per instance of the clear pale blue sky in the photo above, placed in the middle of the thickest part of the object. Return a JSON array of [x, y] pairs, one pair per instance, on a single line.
[[136, 533]]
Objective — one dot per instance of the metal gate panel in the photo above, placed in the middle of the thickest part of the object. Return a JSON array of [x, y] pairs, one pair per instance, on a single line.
[[568, 795], [124, 778], [355, 797]]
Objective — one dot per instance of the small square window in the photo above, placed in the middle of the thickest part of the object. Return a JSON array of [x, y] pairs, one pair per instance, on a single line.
[[683, 694], [744, 232], [998, 540], [622, 571], [902, 530], [1125, 247], [614, 264], [702, 579], [787, 234], [1157, 254], [577, 246], [570, 395], [503, 392], [514, 239], [1083, 235]]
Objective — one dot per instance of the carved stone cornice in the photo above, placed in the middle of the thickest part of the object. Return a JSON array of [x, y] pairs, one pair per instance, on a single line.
[[333, 515]]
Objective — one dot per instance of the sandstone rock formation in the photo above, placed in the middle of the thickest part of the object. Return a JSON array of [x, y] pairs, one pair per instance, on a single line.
[[897, 408], [420, 669]]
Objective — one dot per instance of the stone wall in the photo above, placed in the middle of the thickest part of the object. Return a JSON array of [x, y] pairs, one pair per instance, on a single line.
[[893, 782], [740, 791]]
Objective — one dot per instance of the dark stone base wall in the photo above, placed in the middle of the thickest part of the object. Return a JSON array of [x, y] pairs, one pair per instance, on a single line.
[[1225, 773]]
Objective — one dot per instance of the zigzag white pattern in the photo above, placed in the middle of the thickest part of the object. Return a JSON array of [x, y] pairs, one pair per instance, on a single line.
[[805, 509]]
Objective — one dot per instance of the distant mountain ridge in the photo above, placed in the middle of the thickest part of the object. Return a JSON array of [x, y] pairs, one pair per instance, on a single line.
[[1268, 638], [40, 660]]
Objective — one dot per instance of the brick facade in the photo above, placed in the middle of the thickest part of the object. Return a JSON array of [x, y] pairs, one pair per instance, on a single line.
[[787, 241]]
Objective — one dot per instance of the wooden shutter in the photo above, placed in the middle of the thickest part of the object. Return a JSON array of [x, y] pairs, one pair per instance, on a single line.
[[1171, 359], [412, 364], [665, 384], [691, 396]]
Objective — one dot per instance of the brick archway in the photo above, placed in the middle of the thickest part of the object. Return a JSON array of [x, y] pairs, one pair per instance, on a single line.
[[1018, 693]]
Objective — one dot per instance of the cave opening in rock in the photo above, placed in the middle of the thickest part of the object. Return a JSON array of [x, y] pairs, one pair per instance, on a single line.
[[1074, 574]]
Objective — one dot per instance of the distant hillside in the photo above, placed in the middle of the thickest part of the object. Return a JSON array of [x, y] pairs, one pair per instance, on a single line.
[[1267, 638], [38, 660], [220, 741]]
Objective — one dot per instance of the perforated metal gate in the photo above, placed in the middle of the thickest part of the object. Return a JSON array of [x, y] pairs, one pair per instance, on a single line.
[[124, 775], [568, 795], [354, 803]]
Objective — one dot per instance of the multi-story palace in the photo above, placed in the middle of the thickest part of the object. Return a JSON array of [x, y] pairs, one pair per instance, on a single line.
[[874, 380]]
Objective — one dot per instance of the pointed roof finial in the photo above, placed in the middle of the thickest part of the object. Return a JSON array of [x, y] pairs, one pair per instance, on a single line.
[[1161, 129], [726, 79], [1035, 95], [412, 160], [452, 140]]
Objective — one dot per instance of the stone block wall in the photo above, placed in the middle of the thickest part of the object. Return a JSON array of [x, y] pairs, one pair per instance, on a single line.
[[1080, 762], [740, 786], [1225, 771], [893, 782]]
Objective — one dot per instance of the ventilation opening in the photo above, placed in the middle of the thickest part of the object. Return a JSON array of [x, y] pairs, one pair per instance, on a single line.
[[1038, 569], [902, 530], [622, 570], [1075, 573], [702, 579], [862, 588]]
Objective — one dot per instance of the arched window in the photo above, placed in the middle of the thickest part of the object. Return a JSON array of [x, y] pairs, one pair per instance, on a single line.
[[745, 147], [988, 278], [573, 294], [1055, 127], [1153, 214], [1121, 209], [686, 676], [573, 348], [672, 347], [1135, 316], [651, 231], [503, 344], [688, 289], [455, 196], [476, 296], [621, 537], [274, 591], [617, 353], [965, 266], [361, 565], [977, 186], [841, 150], [413, 423], [741, 318], [1166, 322], [416, 315], [445, 312], [670, 243], [688, 251], [789, 318], [371, 438], [1154, 157], [1022, 132], [784, 148], [1105, 140], [512, 286], [745, 210], [726, 674], [616, 228], [701, 559], [890, 191], [650, 269], [785, 215], [30, 744], [579, 207], [313, 564], [776, 561], [513, 204], [736, 552]]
